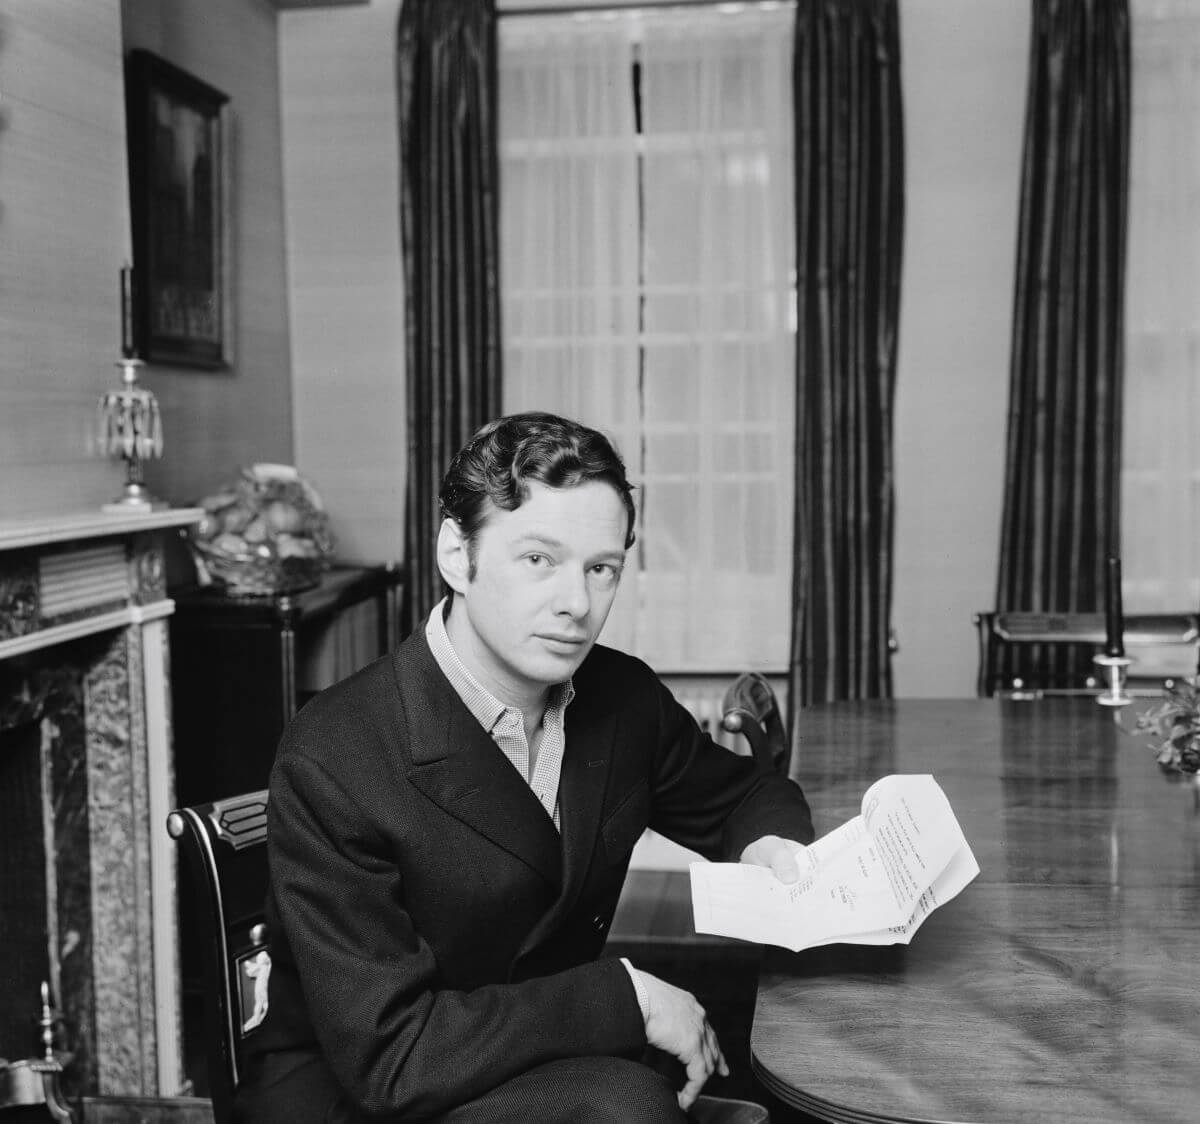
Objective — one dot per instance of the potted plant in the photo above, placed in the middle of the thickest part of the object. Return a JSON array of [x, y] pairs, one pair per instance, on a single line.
[[1173, 727]]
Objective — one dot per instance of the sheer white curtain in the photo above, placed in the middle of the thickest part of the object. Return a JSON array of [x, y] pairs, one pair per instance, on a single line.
[[569, 236], [1160, 479], [648, 287], [719, 388]]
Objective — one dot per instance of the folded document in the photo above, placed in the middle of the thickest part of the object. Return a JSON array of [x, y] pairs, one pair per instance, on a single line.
[[871, 881]]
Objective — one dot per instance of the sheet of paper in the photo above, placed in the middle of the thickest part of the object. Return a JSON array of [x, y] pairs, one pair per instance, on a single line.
[[873, 879], [910, 821], [955, 878]]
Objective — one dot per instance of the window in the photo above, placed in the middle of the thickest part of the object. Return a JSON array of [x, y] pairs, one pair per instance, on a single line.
[[648, 286], [1160, 479]]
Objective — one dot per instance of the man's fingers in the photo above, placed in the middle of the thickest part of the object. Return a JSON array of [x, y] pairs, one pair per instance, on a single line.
[[782, 857], [697, 1073], [676, 1023], [783, 863], [720, 1065], [712, 1051], [703, 1059]]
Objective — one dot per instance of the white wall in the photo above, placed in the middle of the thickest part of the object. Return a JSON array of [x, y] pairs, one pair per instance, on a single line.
[[64, 234], [964, 69], [341, 189]]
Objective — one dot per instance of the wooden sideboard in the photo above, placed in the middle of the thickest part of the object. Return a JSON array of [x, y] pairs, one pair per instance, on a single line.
[[242, 666]]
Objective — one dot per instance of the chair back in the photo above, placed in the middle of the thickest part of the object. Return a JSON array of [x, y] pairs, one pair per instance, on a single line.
[[224, 846], [1160, 646], [750, 708]]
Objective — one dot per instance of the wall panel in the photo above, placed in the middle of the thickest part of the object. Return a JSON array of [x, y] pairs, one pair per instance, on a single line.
[[341, 165], [64, 231], [964, 69]]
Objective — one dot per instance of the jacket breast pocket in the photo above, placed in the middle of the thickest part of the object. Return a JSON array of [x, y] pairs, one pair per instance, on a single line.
[[625, 825]]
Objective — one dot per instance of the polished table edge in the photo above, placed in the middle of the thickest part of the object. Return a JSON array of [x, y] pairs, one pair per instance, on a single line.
[[819, 1108]]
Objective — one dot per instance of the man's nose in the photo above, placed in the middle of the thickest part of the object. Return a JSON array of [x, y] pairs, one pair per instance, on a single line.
[[571, 593]]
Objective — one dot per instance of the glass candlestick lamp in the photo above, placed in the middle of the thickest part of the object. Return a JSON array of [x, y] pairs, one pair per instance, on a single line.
[[130, 427]]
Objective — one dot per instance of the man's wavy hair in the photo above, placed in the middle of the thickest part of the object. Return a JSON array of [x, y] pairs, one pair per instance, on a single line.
[[506, 455]]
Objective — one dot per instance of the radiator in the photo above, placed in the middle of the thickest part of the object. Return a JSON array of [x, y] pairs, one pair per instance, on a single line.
[[702, 700]]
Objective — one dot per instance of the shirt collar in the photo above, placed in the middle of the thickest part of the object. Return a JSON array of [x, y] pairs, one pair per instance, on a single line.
[[482, 704]]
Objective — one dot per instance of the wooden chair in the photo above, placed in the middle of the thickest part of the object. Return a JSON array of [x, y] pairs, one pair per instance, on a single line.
[[1161, 646], [751, 709], [224, 846]]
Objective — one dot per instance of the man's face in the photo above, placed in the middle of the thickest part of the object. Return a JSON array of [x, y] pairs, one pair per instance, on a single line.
[[544, 580]]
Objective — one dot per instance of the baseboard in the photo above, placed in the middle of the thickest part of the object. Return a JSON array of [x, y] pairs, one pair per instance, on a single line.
[[145, 1110]]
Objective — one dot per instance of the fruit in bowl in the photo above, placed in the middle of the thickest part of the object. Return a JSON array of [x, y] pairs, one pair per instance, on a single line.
[[264, 532]]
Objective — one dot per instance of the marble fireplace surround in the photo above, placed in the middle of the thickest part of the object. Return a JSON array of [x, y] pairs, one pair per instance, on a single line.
[[85, 739]]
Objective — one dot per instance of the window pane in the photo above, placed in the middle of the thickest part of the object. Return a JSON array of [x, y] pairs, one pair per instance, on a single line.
[[1160, 475]]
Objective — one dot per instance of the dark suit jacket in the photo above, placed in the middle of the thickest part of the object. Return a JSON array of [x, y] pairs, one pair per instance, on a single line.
[[432, 935]]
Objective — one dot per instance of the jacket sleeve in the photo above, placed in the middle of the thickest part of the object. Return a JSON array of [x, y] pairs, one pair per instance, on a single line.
[[397, 1042], [713, 800]]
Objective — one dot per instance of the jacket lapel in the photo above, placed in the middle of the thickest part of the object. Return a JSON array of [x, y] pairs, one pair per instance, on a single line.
[[582, 785], [458, 766]]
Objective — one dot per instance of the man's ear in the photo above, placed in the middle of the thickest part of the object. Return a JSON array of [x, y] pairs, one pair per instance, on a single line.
[[452, 557]]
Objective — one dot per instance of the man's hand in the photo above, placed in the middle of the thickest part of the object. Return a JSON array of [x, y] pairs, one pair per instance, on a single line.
[[777, 854], [675, 1022]]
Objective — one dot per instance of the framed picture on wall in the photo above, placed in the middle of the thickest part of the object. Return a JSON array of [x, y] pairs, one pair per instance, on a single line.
[[179, 207]]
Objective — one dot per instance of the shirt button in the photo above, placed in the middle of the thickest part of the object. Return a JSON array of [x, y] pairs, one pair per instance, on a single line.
[[598, 923]]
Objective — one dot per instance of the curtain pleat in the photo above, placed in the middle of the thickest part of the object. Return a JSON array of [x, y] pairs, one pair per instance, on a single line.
[[449, 223], [1062, 478], [849, 228]]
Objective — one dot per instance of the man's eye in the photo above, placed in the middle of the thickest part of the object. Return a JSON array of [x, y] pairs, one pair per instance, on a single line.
[[606, 571], [536, 559]]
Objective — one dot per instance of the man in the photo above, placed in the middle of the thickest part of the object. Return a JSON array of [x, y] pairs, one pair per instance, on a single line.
[[449, 830]]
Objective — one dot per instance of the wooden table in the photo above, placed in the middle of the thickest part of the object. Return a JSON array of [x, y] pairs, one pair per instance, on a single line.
[[1063, 984]]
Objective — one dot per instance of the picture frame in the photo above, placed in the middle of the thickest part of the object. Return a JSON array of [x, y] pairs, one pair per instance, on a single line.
[[179, 211]]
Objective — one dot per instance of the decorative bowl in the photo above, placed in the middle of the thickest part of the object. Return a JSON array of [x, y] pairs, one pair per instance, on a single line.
[[265, 532]]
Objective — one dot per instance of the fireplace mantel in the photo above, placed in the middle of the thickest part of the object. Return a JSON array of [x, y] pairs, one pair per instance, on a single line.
[[43, 530], [83, 602], [77, 574]]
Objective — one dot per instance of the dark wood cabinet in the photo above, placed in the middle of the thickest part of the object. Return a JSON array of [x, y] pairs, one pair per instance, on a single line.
[[242, 666]]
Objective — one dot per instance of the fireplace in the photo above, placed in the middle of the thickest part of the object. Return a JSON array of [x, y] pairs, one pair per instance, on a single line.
[[87, 872]]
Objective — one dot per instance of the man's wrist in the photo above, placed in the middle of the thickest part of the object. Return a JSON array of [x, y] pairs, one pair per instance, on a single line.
[[639, 988]]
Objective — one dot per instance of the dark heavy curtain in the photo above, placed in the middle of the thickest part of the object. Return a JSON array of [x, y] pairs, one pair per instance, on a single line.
[[849, 222], [1062, 478], [449, 223]]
